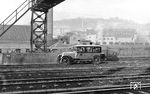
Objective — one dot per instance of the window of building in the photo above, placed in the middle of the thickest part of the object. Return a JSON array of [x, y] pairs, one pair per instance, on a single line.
[[27, 50], [18, 50]]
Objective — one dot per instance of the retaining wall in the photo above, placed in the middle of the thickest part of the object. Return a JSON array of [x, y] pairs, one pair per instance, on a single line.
[[51, 57], [28, 58]]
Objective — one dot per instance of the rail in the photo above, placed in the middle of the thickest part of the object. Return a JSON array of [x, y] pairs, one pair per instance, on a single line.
[[56, 86]]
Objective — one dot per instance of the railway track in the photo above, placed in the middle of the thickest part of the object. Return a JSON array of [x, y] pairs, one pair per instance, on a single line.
[[10, 75], [82, 82], [26, 74], [93, 79], [118, 89], [79, 78], [71, 81]]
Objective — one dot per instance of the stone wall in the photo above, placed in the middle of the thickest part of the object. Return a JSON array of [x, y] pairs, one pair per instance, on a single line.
[[29, 58]]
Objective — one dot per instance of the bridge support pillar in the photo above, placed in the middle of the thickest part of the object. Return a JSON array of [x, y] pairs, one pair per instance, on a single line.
[[38, 31], [39, 23]]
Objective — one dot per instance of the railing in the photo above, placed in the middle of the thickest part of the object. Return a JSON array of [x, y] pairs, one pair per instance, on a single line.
[[15, 16]]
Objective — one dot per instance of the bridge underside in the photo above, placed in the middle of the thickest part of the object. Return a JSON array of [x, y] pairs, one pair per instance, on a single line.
[[45, 5], [39, 23]]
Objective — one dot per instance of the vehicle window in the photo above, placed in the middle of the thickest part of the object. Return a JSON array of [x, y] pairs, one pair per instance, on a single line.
[[89, 49], [81, 49], [97, 49]]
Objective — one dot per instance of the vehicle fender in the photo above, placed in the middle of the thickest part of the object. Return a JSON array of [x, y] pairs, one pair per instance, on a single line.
[[69, 57], [70, 54], [59, 58]]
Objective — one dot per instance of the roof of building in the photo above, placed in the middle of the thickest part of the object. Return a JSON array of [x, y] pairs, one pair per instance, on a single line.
[[17, 33], [119, 32]]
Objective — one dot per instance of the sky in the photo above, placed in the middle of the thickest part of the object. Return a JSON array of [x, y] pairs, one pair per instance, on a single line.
[[136, 10]]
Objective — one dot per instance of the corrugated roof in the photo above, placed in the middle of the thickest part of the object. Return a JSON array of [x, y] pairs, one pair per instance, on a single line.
[[17, 33]]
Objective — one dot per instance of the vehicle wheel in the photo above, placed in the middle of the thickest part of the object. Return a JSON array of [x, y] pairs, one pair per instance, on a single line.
[[102, 58], [96, 59], [66, 60]]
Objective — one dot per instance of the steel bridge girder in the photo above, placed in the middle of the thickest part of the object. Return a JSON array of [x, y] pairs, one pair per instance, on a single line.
[[38, 31]]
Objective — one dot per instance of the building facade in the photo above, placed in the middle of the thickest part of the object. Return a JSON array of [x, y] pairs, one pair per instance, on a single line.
[[118, 35], [92, 38]]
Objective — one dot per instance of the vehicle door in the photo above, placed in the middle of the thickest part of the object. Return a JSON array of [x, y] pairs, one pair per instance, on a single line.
[[89, 52], [85, 52], [81, 52]]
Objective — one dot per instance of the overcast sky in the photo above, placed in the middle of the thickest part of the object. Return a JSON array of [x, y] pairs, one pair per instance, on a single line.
[[136, 10]]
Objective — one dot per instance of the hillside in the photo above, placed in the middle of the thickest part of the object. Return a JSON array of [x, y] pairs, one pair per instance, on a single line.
[[78, 23]]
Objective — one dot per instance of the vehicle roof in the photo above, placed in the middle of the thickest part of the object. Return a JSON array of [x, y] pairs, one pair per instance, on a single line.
[[87, 45]]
